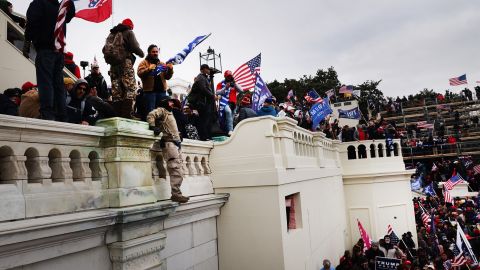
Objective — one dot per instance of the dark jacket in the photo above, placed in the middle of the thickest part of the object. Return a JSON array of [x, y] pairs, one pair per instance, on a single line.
[[98, 81], [80, 109], [7, 106], [267, 110], [181, 120], [201, 94], [41, 19], [244, 113]]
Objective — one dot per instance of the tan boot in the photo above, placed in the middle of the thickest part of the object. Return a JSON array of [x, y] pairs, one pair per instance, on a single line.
[[179, 198]]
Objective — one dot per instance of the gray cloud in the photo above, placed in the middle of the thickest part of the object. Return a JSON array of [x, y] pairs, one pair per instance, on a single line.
[[408, 44]]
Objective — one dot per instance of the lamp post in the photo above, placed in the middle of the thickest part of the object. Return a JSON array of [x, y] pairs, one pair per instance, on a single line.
[[83, 64], [214, 61]]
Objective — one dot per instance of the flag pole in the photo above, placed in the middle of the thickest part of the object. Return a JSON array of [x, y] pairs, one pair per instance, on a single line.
[[113, 21]]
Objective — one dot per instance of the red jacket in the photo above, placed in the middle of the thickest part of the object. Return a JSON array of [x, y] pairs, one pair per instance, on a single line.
[[361, 134], [233, 92]]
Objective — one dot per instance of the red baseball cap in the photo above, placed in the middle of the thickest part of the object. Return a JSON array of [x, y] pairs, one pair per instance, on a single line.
[[27, 86]]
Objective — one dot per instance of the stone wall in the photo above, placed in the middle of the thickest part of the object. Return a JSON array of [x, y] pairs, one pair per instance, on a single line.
[[79, 197]]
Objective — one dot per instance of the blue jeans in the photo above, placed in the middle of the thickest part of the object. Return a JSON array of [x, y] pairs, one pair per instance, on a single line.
[[152, 100], [228, 119], [49, 69]]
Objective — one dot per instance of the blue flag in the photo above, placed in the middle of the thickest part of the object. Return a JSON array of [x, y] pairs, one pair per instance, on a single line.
[[180, 57], [319, 111], [159, 69], [260, 93], [223, 100], [429, 190], [349, 114], [417, 184]]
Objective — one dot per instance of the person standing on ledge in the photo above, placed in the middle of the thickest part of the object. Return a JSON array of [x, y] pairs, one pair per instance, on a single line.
[[46, 28], [119, 50], [161, 120]]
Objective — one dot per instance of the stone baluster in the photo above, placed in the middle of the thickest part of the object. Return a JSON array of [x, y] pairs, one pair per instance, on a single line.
[[198, 166], [206, 165], [61, 170]]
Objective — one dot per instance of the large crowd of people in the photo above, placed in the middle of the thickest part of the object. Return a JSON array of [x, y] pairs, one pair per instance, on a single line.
[[437, 221]]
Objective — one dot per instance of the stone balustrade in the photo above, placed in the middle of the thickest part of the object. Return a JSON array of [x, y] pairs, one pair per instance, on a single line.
[[49, 168], [370, 156], [265, 145]]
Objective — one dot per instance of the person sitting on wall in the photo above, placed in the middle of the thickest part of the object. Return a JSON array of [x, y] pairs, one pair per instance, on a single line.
[[79, 110], [245, 111], [9, 101], [268, 108], [30, 104]]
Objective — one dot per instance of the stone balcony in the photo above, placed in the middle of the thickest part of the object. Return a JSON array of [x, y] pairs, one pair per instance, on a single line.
[[370, 157], [51, 167]]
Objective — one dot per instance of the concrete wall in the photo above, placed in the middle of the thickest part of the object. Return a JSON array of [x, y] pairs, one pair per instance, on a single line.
[[160, 236], [266, 160], [377, 191], [379, 201], [323, 223]]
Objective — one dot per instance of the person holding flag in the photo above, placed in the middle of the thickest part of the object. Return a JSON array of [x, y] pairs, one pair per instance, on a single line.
[[46, 28], [227, 90], [154, 75]]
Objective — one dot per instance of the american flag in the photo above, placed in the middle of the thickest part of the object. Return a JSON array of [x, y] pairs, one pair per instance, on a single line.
[[446, 195], [458, 80], [245, 74], [425, 219], [346, 89], [313, 97], [393, 237], [464, 247], [454, 180], [476, 169], [424, 124], [459, 259]]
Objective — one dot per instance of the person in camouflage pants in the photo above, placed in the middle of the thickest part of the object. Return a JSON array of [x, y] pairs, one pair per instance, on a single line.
[[124, 85]]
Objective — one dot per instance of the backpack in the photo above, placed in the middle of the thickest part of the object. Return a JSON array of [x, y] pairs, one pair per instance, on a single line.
[[114, 50]]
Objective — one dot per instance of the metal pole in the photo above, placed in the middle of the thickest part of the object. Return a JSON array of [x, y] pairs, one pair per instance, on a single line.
[[113, 21]]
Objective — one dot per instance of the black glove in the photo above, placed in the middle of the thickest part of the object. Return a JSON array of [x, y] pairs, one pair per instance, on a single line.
[[26, 48], [156, 130], [178, 144]]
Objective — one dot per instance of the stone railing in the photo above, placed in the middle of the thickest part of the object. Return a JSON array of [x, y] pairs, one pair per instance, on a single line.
[[371, 156], [266, 145], [49, 168]]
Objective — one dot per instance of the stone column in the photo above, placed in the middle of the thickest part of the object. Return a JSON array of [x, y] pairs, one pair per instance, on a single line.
[[127, 145], [287, 144], [318, 138]]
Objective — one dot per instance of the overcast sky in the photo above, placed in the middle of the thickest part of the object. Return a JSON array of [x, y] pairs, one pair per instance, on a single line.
[[409, 44]]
